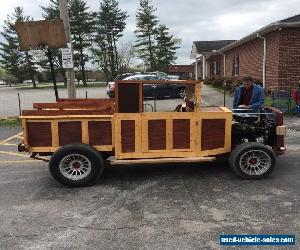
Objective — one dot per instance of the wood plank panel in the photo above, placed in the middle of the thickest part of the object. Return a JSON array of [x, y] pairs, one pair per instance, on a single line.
[[69, 132], [212, 134], [54, 133], [101, 100], [181, 133], [39, 134], [75, 105], [105, 111], [157, 134], [100, 133], [85, 132], [128, 136], [128, 98]]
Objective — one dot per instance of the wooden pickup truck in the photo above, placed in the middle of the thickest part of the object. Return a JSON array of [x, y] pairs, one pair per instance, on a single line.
[[82, 136]]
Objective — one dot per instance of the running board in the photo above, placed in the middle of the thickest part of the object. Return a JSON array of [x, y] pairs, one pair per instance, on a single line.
[[113, 161]]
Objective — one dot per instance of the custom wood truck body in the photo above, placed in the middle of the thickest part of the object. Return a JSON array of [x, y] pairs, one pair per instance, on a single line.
[[82, 135]]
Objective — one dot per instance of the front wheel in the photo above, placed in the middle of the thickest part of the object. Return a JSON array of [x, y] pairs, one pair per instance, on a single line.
[[252, 160], [76, 164]]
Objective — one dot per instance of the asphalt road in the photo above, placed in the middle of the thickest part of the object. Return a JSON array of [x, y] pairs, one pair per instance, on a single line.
[[170, 206]]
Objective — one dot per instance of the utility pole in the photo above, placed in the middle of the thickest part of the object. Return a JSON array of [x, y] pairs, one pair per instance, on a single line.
[[70, 74]]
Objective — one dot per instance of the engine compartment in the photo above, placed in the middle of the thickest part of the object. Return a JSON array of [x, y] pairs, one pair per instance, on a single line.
[[254, 127]]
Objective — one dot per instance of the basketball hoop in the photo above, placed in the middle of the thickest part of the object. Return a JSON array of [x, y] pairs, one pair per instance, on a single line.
[[40, 35], [38, 51]]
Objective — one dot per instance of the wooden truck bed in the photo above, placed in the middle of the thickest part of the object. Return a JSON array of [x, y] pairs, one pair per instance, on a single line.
[[51, 125]]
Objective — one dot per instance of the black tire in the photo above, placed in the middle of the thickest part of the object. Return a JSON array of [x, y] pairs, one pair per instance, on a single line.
[[181, 92], [80, 159], [263, 160]]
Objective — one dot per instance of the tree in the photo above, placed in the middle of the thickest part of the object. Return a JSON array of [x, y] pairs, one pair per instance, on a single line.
[[52, 12], [165, 47], [110, 24], [82, 26], [6, 77], [146, 22], [100, 55], [126, 52], [17, 63]]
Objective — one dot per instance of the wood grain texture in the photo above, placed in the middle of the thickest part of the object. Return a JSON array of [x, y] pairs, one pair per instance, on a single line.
[[54, 133], [105, 111], [47, 32], [69, 132], [212, 134], [100, 133], [99, 105], [157, 134], [211, 109], [161, 160], [86, 100], [128, 98], [39, 134], [181, 133], [128, 136]]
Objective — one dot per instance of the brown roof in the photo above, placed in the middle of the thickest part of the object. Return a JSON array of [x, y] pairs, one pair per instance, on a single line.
[[291, 19]]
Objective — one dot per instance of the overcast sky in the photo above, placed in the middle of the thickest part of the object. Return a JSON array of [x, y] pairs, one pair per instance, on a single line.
[[190, 20]]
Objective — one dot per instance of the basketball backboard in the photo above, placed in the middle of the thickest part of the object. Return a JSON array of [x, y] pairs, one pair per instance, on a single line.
[[36, 34]]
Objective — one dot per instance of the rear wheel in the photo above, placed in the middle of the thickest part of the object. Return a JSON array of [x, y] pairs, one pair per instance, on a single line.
[[252, 160], [76, 164]]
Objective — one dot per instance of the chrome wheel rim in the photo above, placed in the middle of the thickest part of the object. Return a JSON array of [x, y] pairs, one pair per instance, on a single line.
[[255, 162], [75, 166]]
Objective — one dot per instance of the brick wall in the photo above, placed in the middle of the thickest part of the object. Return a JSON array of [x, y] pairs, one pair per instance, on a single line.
[[272, 64], [282, 65], [219, 60], [250, 60], [289, 58]]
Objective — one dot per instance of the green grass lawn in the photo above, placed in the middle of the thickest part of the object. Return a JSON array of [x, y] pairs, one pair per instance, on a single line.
[[10, 122]]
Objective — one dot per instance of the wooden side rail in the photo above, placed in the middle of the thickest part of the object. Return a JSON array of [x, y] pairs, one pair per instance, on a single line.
[[104, 111], [74, 105], [86, 100]]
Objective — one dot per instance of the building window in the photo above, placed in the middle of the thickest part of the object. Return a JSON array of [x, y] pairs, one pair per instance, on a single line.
[[235, 65], [215, 69]]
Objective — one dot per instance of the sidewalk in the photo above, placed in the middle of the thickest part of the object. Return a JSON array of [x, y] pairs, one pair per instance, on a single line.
[[213, 97]]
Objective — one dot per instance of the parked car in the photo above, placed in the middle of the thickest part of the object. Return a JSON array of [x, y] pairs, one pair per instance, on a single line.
[[152, 90], [110, 91], [164, 75]]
